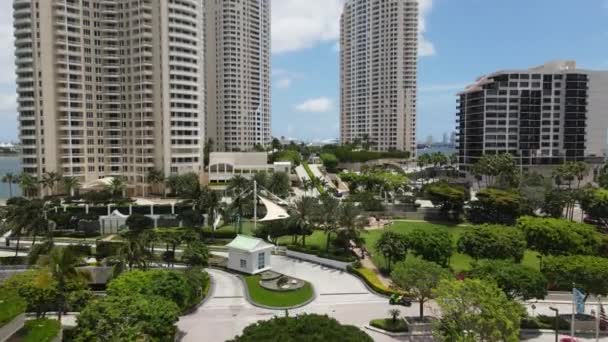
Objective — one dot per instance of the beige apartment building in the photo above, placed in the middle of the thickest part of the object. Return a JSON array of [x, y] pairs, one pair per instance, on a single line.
[[238, 73], [110, 87], [378, 73]]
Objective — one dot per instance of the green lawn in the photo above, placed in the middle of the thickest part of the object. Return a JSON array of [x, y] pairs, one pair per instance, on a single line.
[[277, 299], [459, 262], [38, 330], [318, 239], [11, 306], [246, 225]]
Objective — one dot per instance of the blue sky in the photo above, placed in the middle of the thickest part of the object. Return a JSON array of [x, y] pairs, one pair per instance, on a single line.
[[462, 39], [470, 38]]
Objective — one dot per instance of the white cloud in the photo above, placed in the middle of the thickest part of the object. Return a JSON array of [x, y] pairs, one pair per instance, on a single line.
[[318, 105], [284, 83], [425, 47], [302, 24]]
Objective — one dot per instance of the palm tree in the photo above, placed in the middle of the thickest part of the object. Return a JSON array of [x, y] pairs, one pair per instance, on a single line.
[[9, 179], [133, 253], [328, 216], [308, 184], [117, 186], [70, 184], [238, 184], [172, 182], [62, 265], [29, 184], [209, 201], [24, 216], [351, 220], [49, 180], [155, 177], [304, 211]]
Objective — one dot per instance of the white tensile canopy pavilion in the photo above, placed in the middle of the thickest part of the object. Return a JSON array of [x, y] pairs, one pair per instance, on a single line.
[[98, 184]]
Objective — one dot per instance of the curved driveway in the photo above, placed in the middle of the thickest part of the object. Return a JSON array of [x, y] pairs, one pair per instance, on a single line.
[[331, 285], [339, 294]]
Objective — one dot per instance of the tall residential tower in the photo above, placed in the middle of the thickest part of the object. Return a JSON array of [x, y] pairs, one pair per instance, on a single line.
[[110, 87], [544, 115], [378, 73], [238, 73]]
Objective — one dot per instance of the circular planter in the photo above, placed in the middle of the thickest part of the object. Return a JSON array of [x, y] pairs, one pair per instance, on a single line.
[[282, 283]]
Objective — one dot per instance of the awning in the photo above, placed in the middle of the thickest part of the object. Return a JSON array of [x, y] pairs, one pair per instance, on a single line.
[[273, 211]]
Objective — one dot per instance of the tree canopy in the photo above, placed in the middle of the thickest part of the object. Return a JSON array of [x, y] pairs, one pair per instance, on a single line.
[[171, 285], [550, 236], [495, 206], [419, 277], [128, 318], [431, 244], [594, 202], [515, 280], [450, 197], [392, 246], [589, 273], [302, 328], [493, 242], [475, 310]]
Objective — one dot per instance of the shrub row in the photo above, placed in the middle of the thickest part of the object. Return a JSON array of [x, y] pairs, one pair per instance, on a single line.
[[544, 322], [314, 250], [218, 234], [75, 234], [389, 325], [13, 260], [373, 282]]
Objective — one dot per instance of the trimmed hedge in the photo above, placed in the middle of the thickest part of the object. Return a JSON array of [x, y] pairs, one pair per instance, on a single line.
[[387, 324], [218, 234], [373, 282], [322, 254], [13, 260], [544, 322], [75, 234]]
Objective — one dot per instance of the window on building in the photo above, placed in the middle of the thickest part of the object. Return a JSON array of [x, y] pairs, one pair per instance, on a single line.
[[261, 260], [243, 263]]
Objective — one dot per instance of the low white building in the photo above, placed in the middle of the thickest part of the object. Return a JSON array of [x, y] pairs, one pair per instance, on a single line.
[[225, 165], [249, 255]]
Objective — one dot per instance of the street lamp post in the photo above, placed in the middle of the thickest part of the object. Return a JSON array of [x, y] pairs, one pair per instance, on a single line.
[[556, 322]]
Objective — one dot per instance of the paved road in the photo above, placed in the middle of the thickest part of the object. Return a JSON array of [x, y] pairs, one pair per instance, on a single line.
[[339, 295]]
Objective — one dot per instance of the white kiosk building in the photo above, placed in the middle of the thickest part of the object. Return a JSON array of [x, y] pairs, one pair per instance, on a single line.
[[249, 255]]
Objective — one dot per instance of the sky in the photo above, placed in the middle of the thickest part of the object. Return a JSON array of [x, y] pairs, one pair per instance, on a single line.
[[460, 40]]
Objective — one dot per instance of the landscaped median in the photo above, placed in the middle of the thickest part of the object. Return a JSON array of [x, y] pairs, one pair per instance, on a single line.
[[316, 183], [38, 330], [390, 325], [275, 299], [372, 281], [12, 308]]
